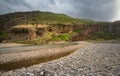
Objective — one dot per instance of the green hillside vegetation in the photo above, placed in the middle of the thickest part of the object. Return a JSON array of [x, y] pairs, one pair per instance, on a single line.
[[102, 35], [40, 17], [52, 19]]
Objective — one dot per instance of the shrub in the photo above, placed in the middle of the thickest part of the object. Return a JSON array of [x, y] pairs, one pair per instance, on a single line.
[[62, 37], [79, 31], [102, 35], [3, 36]]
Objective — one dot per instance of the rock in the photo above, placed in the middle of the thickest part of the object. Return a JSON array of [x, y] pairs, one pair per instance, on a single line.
[[42, 73], [28, 74], [98, 59]]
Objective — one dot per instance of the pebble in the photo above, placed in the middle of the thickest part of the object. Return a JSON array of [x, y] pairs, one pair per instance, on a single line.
[[98, 59]]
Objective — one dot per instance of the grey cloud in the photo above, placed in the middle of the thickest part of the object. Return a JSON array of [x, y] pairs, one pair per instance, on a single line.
[[7, 6], [89, 9], [100, 10]]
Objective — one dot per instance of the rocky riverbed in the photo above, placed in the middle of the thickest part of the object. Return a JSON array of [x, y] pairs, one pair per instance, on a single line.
[[96, 59]]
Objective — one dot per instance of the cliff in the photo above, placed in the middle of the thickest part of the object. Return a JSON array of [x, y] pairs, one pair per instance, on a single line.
[[61, 27]]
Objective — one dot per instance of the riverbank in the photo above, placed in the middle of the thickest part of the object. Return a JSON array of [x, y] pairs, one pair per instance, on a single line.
[[15, 60], [98, 59]]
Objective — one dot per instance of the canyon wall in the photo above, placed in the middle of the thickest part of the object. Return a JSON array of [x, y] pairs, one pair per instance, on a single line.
[[87, 30]]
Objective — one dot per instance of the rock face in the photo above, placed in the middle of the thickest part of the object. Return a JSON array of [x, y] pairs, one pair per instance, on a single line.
[[113, 28], [88, 30], [18, 37]]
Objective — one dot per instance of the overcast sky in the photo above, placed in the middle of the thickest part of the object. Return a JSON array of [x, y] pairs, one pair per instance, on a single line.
[[103, 10]]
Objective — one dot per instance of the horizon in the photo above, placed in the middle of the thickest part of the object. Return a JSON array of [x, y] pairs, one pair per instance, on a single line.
[[58, 13], [103, 10]]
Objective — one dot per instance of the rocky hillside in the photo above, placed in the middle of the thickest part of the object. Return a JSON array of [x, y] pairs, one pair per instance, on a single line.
[[13, 19], [66, 27]]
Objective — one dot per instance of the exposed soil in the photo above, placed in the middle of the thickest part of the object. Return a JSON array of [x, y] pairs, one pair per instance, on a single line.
[[15, 60]]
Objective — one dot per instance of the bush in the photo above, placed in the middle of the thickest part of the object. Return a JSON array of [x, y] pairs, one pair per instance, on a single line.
[[62, 37], [79, 31], [3, 36], [102, 35]]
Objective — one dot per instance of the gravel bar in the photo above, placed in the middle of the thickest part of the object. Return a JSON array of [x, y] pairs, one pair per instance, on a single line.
[[98, 59]]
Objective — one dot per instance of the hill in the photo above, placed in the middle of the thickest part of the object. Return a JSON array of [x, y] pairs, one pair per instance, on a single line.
[[82, 28], [12, 19]]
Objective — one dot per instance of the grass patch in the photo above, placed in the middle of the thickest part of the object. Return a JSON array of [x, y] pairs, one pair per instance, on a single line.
[[62, 37]]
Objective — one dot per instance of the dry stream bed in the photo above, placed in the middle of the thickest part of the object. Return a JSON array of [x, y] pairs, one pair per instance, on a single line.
[[14, 60]]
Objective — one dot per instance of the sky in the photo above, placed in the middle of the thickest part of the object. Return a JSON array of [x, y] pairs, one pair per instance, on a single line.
[[100, 10]]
